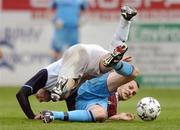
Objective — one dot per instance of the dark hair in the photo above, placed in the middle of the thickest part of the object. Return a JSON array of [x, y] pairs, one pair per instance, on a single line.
[[137, 83]]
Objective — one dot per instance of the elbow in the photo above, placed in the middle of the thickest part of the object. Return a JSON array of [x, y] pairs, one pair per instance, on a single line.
[[18, 95], [23, 92], [101, 117]]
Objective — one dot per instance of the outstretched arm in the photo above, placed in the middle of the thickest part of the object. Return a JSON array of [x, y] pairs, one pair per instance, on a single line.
[[123, 116], [22, 97], [31, 87]]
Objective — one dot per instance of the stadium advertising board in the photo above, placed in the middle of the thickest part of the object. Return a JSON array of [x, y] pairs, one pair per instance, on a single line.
[[24, 41], [154, 38], [150, 10]]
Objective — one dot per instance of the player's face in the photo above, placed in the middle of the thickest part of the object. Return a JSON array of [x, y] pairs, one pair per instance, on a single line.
[[42, 95], [127, 90]]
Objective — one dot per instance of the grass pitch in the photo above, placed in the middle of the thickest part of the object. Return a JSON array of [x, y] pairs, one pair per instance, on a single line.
[[12, 118]]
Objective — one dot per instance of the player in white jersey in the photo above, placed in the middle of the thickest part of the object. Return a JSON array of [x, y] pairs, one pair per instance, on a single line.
[[91, 64], [80, 55], [80, 61]]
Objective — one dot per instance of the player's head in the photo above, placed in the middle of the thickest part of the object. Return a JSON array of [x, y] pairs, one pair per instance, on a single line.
[[128, 90], [43, 95]]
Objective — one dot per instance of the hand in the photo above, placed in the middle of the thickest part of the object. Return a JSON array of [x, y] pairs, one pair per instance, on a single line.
[[123, 116], [38, 116], [126, 116], [58, 23], [127, 58]]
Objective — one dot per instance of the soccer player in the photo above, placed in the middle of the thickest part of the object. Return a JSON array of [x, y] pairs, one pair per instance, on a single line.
[[66, 24], [125, 92], [80, 62], [92, 96]]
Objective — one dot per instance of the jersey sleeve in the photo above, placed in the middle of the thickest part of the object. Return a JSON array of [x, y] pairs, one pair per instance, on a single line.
[[37, 82], [22, 97]]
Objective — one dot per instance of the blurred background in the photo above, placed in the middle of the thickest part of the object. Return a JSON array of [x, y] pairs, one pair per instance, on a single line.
[[154, 40]]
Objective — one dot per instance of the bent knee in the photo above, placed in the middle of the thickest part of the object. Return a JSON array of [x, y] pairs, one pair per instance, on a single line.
[[99, 113], [101, 117]]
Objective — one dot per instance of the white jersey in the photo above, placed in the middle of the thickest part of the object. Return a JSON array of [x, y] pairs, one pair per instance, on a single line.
[[53, 72], [78, 61]]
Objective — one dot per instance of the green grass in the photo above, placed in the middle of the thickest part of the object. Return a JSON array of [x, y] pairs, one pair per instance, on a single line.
[[12, 118]]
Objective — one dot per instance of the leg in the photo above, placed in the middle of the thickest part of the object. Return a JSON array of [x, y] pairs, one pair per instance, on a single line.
[[76, 115], [115, 57], [73, 36], [99, 113], [58, 43], [124, 73], [122, 32], [87, 111], [70, 74], [56, 51], [120, 36], [74, 61]]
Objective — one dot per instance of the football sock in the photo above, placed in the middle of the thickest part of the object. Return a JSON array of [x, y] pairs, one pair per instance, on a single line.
[[76, 115], [58, 115], [122, 32], [123, 68]]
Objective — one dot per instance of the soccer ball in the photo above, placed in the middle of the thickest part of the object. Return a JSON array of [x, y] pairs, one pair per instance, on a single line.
[[148, 108]]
